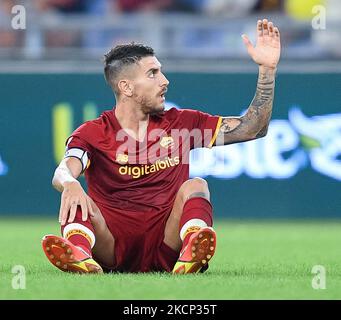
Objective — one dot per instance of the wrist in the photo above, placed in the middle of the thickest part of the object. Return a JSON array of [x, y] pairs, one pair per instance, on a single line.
[[268, 70], [70, 181]]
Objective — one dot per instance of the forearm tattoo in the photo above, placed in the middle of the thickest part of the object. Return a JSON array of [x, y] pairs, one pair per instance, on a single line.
[[254, 124], [229, 124], [265, 91]]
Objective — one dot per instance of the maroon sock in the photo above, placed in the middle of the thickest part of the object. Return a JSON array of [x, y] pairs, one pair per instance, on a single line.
[[195, 208], [80, 233]]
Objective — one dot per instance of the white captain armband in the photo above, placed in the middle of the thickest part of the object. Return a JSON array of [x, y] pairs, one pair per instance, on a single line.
[[79, 154]]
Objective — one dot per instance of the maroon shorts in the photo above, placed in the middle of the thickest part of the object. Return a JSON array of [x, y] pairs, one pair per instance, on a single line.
[[139, 245]]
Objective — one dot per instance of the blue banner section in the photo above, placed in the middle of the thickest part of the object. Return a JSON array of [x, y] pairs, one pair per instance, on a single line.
[[295, 171]]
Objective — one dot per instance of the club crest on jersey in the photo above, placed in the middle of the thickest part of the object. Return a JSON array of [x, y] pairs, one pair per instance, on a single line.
[[122, 158], [167, 142]]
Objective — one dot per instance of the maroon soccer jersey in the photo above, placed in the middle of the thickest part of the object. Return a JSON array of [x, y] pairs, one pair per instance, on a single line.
[[124, 174]]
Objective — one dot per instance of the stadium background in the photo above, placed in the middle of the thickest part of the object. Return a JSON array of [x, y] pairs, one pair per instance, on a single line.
[[51, 81]]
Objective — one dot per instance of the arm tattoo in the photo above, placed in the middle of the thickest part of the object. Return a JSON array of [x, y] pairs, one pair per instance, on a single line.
[[262, 132], [264, 92], [229, 124], [254, 123]]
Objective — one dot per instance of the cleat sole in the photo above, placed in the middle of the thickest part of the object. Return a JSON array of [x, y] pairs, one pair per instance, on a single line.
[[204, 244], [62, 256]]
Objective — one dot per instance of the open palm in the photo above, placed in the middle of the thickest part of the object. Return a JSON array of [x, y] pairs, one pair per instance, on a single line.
[[268, 47]]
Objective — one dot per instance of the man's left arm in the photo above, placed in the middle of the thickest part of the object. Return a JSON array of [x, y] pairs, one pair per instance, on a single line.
[[254, 123]]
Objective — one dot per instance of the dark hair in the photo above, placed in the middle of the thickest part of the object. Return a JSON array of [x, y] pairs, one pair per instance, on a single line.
[[120, 57]]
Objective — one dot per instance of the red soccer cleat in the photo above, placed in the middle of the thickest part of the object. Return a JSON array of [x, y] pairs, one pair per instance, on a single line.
[[67, 257], [199, 250]]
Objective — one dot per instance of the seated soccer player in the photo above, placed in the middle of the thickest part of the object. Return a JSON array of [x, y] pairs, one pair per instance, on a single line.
[[142, 212]]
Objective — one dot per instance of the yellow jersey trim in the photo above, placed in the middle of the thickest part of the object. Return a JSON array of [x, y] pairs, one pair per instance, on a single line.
[[215, 132]]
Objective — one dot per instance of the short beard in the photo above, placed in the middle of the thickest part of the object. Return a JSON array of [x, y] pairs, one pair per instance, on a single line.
[[147, 106], [157, 112]]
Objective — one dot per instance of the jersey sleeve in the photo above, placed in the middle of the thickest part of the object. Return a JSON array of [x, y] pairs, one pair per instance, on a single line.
[[205, 127], [78, 147]]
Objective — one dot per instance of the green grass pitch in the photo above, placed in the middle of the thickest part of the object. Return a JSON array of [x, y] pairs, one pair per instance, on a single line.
[[254, 260]]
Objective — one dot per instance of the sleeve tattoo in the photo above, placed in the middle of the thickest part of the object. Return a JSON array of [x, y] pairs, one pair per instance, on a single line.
[[254, 123]]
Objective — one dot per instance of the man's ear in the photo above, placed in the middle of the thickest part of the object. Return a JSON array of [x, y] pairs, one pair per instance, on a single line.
[[125, 87]]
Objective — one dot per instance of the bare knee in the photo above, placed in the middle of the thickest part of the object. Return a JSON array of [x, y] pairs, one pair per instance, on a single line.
[[196, 187]]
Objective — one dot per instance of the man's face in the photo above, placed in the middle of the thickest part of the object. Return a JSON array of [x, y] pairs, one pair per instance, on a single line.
[[149, 85]]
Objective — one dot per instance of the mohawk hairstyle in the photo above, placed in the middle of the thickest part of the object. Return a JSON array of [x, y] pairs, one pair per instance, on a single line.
[[120, 57]]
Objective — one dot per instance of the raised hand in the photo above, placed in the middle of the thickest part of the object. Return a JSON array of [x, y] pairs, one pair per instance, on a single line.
[[267, 51]]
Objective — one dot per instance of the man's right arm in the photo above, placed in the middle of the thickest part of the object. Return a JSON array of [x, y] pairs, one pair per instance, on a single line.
[[65, 181], [68, 171]]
